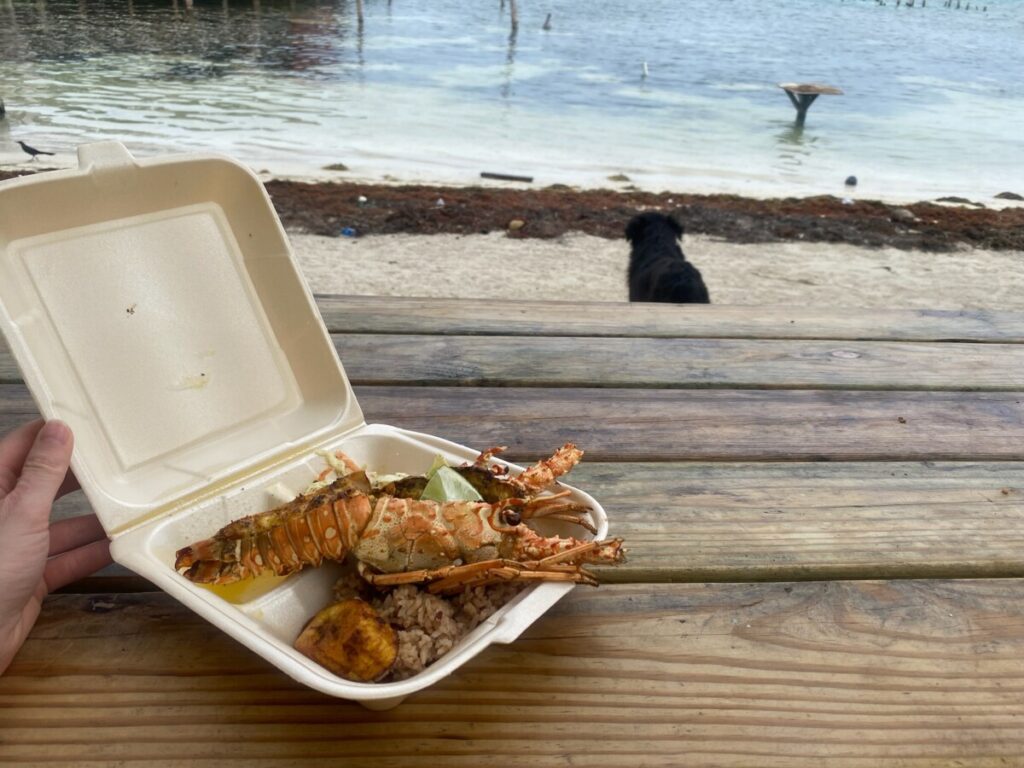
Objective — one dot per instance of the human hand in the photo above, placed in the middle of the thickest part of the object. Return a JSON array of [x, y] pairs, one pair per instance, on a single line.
[[35, 556]]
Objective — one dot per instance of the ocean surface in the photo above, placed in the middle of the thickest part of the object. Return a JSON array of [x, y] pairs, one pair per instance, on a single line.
[[441, 90]]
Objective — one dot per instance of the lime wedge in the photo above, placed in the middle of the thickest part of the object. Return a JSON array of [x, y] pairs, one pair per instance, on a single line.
[[438, 463], [449, 485]]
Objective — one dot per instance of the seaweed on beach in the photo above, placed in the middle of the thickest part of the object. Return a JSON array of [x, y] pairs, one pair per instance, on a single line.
[[325, 208], [377, 209]]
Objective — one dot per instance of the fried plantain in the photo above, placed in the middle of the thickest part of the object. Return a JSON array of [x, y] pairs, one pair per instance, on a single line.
[[350, 640]]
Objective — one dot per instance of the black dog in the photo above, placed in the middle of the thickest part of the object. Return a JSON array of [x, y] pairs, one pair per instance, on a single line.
[[658, 270]]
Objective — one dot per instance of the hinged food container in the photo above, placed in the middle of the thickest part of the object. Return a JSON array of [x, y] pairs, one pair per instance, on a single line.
[[156, 307]]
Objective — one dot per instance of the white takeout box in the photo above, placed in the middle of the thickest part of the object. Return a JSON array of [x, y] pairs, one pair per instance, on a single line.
[[156, 307]]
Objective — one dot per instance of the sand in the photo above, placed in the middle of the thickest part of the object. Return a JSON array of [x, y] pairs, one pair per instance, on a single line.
[[587, 268]]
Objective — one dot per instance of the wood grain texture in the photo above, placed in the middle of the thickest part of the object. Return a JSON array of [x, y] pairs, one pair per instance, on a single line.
[[690, 522], [523, 361], [541, 361], [844, 674], [692, 425], [390, 315]]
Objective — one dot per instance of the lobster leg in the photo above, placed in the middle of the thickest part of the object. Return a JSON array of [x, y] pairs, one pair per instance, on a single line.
[[457, 577], [499, 571], [556, 507]]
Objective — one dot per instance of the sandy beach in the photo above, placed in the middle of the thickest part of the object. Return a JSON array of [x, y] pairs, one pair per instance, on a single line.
[[815, 251], [576, 266]]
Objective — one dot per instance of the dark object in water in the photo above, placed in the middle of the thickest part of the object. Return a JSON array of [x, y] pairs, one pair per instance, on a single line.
[[851, 181], [1000, 196], [3, 109], [505, 177], [658, 270], [32, 150], [803, 95], [960, 200]]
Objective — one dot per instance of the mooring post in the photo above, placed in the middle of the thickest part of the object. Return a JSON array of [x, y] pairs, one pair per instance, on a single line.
[[802, 95]]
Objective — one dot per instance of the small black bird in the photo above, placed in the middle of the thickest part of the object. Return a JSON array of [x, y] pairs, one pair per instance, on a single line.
[[32, 150]]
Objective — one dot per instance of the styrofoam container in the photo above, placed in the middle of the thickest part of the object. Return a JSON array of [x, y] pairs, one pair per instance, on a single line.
[[156, 307]]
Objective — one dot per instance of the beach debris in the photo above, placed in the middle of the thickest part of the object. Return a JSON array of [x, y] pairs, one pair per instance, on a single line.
[[505, 177], [440, 202], [362, 200], [348, 232], [958, 200], [336, 167], [851, 181], [1009, 196], [902, 214], [847, 201], [619, 177], [515, 225], [804, 94]]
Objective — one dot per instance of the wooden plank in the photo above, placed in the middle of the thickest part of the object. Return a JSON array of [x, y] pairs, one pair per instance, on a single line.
[[401, 315], [715, 425], [376, 314], [687, 522], [668, 363], [784, 522], [693, 425], [678, 363], [844, 674]]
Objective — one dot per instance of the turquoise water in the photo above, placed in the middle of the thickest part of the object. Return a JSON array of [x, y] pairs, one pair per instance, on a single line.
[[440, 90]]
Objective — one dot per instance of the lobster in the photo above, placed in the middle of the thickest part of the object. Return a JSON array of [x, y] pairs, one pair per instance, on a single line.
[[398, 539]]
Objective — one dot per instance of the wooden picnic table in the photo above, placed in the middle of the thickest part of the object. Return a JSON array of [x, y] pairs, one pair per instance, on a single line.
[[826, 530]]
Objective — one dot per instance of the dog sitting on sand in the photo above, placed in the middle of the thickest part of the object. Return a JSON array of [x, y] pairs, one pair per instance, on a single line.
[[658, 270]]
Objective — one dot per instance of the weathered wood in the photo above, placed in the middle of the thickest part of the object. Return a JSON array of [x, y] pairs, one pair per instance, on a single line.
[[456, 317], [505, 177], [673, 425], [803, 95], [678, 363], [845, 674], [692, 425], [783, 522], [374, 314], [668, 363], [811, 89]]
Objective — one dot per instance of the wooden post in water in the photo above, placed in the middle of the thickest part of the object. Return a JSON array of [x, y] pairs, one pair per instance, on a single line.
[[804, 94], [359, 11], [515, 13]]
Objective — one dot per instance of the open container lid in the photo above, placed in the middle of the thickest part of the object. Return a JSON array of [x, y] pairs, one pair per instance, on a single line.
[[155, 306]]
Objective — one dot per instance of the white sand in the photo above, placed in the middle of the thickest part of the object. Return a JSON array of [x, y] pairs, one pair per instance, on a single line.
[[581, 267]]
